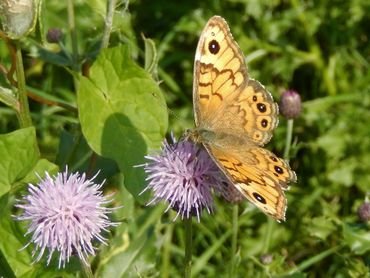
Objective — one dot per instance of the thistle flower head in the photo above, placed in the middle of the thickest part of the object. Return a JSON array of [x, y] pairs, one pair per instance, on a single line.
[[184, 175], [290, 104], [66, 212]]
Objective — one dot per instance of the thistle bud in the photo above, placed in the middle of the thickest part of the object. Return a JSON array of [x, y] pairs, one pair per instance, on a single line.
[[364, 212], [54, 35], [290, 104]]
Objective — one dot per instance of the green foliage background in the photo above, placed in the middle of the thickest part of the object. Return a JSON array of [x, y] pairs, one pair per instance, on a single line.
[[112, 118]]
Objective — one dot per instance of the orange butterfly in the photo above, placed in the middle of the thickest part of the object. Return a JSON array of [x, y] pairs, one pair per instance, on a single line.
[[234, 117]]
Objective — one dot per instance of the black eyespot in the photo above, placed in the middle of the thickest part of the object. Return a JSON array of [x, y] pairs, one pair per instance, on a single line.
[[213, 47], [259, 198], [264, 123], [254, 98], [273, 158], [278, 170], [261, 107]]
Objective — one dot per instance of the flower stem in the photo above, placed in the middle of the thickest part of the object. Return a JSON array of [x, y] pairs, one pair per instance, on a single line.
[[108, 23], [166, 252], [72, 29], [24, 116], [234, 239], [188, 247], [268, 236], [87, 272], [288, 139]]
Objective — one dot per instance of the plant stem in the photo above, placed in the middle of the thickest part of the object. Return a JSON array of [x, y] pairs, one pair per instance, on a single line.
[[288, 139], [108, 23], [234, 240], [188, 247], [72, 29], [24, 116], [268, 236], [166, 252], [86, 270]]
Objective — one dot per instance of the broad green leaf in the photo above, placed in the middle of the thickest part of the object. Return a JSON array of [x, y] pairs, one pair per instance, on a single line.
[[19, 154], [42, 166], [122, 113]]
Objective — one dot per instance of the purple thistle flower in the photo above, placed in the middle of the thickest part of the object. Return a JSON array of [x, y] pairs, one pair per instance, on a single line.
[[184, 175], [66, 212]]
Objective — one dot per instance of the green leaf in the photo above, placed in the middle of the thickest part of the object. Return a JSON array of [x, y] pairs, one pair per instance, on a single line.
[[19, 154], [358, 239], [121, 258], [12, 240], [122, 112], [42, 166]]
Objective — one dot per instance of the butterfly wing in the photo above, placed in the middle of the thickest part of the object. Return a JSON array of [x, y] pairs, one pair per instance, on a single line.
[[258, 174], [219, 69], [223, 92]]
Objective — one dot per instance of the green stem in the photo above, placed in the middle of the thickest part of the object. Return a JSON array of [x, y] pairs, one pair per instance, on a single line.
[[86, 270], [166, 252], [72, 29], [288, 139], [234, 240], [108, 23], [188, 247], [268, 236], [23, 109]]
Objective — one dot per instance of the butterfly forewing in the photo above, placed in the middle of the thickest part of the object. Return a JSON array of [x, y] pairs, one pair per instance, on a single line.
[[219, 70]]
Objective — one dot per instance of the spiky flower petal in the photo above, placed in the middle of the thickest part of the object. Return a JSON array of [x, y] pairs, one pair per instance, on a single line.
[[66, 213]]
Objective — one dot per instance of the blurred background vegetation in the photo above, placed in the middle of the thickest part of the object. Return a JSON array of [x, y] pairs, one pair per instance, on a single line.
[[321, 49]]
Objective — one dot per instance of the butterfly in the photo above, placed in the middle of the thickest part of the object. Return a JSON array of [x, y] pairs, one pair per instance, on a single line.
[[234, 118]]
